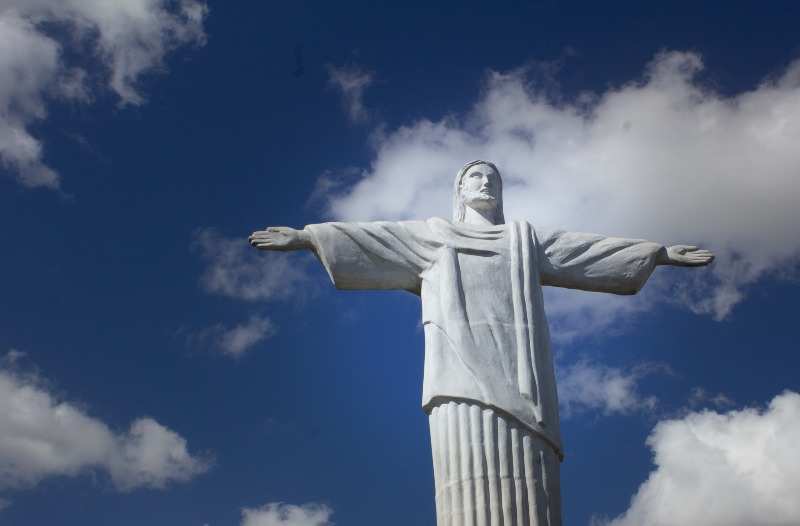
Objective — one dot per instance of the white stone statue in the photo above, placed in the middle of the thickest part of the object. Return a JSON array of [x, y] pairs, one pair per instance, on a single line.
[[489, 386]]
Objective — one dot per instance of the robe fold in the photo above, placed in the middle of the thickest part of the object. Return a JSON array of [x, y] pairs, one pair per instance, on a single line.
[[486, 335]]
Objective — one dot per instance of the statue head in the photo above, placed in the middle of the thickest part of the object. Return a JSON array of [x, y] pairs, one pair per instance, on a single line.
[[478, 186]]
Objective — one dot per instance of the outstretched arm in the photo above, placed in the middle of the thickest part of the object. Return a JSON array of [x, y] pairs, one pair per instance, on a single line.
[[608, 264], [281, 238], [684, 256], [379, 255]]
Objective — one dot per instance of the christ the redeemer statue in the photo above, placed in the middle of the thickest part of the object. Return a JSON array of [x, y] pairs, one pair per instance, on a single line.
[[489, 385]]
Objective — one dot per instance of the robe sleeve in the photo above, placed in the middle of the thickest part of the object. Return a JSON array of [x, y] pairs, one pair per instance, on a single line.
[[378, 255], [592, 262]]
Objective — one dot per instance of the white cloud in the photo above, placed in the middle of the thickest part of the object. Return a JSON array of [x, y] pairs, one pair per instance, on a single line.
[[128, 38], [238, 271], [150, 455], [237, 340], [662, 157], [734, 469], [42, 436], [351, 82], [280, 514], [243, 336], [29, 64], [590, 386]]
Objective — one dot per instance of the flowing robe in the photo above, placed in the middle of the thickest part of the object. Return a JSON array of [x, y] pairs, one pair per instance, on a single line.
[[486, 334]]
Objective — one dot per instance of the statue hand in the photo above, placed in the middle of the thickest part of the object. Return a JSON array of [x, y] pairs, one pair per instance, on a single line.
[[688, 256], [280, 238]]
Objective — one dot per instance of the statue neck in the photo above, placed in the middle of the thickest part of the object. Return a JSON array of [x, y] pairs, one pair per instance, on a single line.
[[481, 217]]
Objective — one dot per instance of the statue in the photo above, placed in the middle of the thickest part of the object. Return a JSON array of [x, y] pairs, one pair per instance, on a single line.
[[489, 384]]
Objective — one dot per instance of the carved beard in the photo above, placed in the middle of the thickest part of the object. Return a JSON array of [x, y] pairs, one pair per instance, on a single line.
[[479, 200]]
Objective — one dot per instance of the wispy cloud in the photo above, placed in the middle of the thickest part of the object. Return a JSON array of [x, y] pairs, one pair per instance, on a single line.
[[12, 358], [42, 436], [351, 81], [126, 39], [236, 270], [280, 514], [234, 341], [587, 385], [734, 469], [240, 338], [662, 157], [701, 398]]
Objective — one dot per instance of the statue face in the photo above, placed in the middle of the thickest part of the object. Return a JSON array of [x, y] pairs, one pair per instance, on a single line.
[[480, 187]]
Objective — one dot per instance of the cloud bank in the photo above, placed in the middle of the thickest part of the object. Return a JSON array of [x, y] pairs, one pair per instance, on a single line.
[[663, 157], [127, 38], [734, 469], [42, 436], [280, 514]]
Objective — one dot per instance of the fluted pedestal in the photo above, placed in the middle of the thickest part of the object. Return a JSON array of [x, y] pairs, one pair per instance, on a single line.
[[490, 470]]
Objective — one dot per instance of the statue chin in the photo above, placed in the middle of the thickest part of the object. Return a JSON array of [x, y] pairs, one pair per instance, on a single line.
[[481, 202]]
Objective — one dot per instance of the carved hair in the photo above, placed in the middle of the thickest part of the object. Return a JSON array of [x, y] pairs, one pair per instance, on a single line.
[[459, 207]]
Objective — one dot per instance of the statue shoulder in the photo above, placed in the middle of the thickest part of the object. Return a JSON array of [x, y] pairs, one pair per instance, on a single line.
[[438, 222]]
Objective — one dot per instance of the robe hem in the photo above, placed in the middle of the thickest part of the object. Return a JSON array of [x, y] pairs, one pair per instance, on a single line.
[[537, 430]]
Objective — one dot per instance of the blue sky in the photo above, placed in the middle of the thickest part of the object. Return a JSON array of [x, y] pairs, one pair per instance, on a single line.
[[156, 370]]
